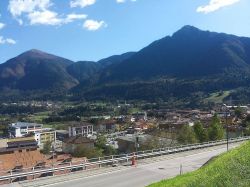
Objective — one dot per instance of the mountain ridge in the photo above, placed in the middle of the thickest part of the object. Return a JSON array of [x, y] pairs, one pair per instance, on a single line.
[[199, 61]]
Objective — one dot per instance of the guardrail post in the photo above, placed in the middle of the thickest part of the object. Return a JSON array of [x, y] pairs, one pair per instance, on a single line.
[[70, 164], [11, 176], [53, 170], [112, 158], [33, 169], [85, 161], [99, 162]]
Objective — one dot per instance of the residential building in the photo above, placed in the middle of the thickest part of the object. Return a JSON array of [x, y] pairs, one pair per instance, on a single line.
[[139, 116], [107, 126], [21, 129], [44, 136], [81, 129]]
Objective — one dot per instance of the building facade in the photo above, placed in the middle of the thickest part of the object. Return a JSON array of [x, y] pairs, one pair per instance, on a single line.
[[21, 129], [81, 129], [45, 136]]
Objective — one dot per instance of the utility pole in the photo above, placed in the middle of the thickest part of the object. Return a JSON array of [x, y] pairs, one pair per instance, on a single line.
[[181, 169], [136, 143], [227, 132], [226, 113]]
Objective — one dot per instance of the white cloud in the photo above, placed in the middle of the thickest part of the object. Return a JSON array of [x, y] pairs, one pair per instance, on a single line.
[[7, 40], [93, 25], [120, 1], [44, 18], [216, 5], [2, 25], [18, 7], [51, 18], [81, 3], [37, 12], [31, 7], [73, 17], [10, 41], [124, 1]]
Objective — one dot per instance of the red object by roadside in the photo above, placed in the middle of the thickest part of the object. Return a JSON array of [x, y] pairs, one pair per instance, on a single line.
[[134, 160]]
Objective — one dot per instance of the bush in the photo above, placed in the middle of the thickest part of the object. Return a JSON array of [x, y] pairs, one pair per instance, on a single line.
[[186, 135]]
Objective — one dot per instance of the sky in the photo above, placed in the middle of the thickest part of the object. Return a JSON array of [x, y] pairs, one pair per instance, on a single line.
[[95, 29]]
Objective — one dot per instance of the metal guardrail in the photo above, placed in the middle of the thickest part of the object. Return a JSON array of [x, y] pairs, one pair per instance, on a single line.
[[119, 158]]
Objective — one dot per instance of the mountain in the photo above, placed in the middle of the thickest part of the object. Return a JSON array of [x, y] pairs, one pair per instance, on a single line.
[[83, 70], [188, 66], [35, 69], [115, 59], [183, 68], [189, 52]]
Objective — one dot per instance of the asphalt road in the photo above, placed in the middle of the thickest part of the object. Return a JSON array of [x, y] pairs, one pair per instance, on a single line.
[[146, 172]]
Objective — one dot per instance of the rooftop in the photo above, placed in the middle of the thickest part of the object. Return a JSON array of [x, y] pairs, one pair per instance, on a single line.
[[6, 149], [24, 124], [79, 124]]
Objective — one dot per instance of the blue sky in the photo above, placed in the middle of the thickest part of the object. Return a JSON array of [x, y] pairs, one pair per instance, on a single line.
[[94, 29]]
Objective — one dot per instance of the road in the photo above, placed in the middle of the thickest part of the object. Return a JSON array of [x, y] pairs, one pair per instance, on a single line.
[[146, 172]]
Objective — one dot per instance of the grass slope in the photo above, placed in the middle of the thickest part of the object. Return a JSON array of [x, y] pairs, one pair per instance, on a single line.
[[230, 170], [218, 97]]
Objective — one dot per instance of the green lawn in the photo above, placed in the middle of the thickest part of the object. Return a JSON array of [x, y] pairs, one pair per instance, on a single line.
[[38, 117], [228, 170], [218, 97]]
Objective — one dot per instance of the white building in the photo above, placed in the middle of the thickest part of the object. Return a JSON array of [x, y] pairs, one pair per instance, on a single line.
[[84, 130], [20, 129]]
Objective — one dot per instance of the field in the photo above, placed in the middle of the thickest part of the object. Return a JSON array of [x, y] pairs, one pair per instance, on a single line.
[[38, 117], [218, 97], [230, 169]]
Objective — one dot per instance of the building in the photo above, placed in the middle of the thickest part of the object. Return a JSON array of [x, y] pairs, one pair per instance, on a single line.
[[44, 136], [19, 155], [139, 116], [62, 135], [6, 142], [81, 129], [107, 126], [70, 145], [33, 130], [127, 143], [21, 129], [22, 144]]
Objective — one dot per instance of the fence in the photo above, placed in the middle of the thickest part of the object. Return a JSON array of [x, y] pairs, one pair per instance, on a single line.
[[109, 160]]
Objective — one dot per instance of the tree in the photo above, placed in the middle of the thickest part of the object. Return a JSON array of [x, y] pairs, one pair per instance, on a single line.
[[101, 144], [238, 112], [47, 148], [151, 143], [247, 130], [109, 150], [186, 135], [101, 141], [200, 132], [81, 151], [216, 131]]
